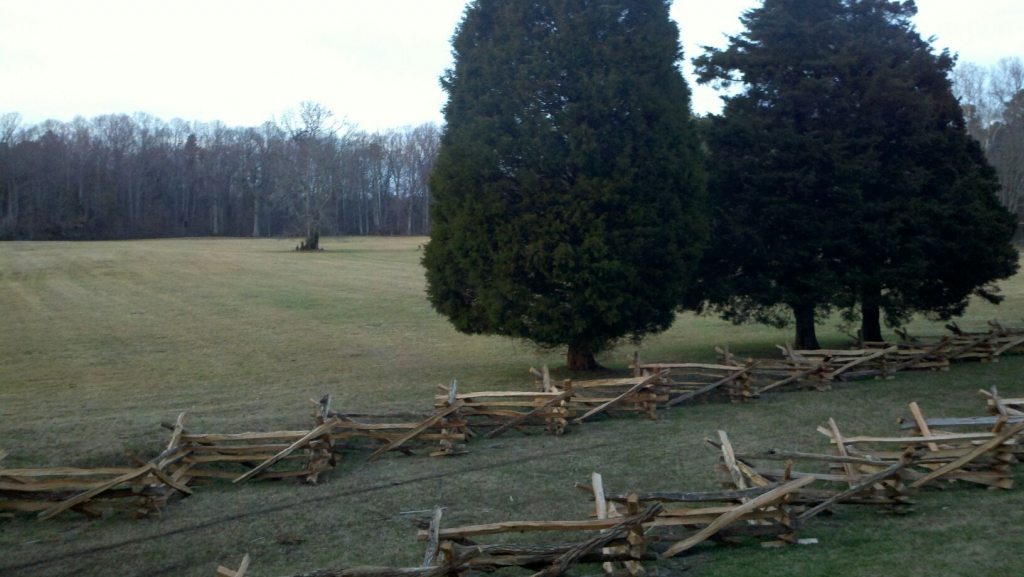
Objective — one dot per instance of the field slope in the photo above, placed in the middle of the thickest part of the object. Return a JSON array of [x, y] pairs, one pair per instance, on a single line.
[[100, 342]]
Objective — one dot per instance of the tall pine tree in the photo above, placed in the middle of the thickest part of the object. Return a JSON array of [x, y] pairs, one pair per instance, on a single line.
[[933, 231], [568, 202], [843, 175]]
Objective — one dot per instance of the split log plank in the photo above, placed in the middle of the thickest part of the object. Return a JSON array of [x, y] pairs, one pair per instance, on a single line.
[[702, 497], [977, 452], [791, 379], [450, 533], [526, 416], [888, 472], [223, 571], [433, 542], [1000, 406], [422, 427], [941, 422], [601, 508], [1009, 411], [922, 425], [218, 438], [850, 365], [518, 527], [632, 390], [64, 472], [615, 532], [780, 455], [601, 383], [354, 426], [60, 485], [179, 428], [958, 352], [304, 440], [837, 438], [659, 366], [765, 500], [83, 497], [498, 394], [167, 480], [1009, 345], [920, 358], [913, 440], [729, 458], [712, 386]]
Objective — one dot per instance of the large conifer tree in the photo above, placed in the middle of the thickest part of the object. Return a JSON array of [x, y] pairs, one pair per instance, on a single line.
[[567, 196], [843, 175]]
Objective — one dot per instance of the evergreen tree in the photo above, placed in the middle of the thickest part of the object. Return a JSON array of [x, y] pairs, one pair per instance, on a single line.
[[568, 203], [934, 230], [843, 174]]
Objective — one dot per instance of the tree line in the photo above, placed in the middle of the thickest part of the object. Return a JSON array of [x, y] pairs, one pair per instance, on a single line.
[[120, 177], [993, 102]]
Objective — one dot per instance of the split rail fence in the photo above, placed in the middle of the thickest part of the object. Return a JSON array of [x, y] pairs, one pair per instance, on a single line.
[[192, 458], [768, 496]]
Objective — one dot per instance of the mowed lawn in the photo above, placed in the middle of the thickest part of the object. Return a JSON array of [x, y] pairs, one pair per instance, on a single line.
[[100, 342]]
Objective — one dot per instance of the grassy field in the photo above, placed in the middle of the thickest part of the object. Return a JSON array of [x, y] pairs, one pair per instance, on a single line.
[[100, 342]]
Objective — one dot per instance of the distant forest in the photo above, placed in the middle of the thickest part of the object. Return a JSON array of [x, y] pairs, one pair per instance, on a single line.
[[993, 103], [120, 176]]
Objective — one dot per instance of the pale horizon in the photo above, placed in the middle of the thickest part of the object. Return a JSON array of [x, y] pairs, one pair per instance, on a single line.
[[376, 65]]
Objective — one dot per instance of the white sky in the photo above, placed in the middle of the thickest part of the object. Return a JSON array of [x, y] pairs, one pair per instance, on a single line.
[[376, 62]]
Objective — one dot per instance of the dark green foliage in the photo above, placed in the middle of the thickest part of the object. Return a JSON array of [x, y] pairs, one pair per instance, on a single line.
[[843, 174], [567, 196]]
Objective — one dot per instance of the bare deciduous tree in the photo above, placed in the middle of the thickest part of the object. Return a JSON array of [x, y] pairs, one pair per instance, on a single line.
[[993, 104], [120, 176]]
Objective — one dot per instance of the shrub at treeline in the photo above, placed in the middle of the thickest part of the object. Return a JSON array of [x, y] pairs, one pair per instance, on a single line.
[[573, 198], [568, 195]]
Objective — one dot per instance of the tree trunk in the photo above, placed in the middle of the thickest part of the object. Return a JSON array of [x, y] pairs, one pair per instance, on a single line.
[[256, 216], [870, 326], [806, 339], [426, 211], [313, 240], [581, 358], [871, 312]]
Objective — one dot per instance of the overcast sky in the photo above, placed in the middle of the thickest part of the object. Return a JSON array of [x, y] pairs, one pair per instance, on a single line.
[[376, 62]]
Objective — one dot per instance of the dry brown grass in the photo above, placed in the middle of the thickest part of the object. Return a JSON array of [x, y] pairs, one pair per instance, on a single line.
[[99, 342]]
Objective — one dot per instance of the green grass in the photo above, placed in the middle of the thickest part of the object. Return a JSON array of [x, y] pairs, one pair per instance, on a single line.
[[100, 342]]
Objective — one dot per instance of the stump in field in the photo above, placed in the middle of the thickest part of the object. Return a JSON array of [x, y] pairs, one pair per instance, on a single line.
[[312, 242]]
